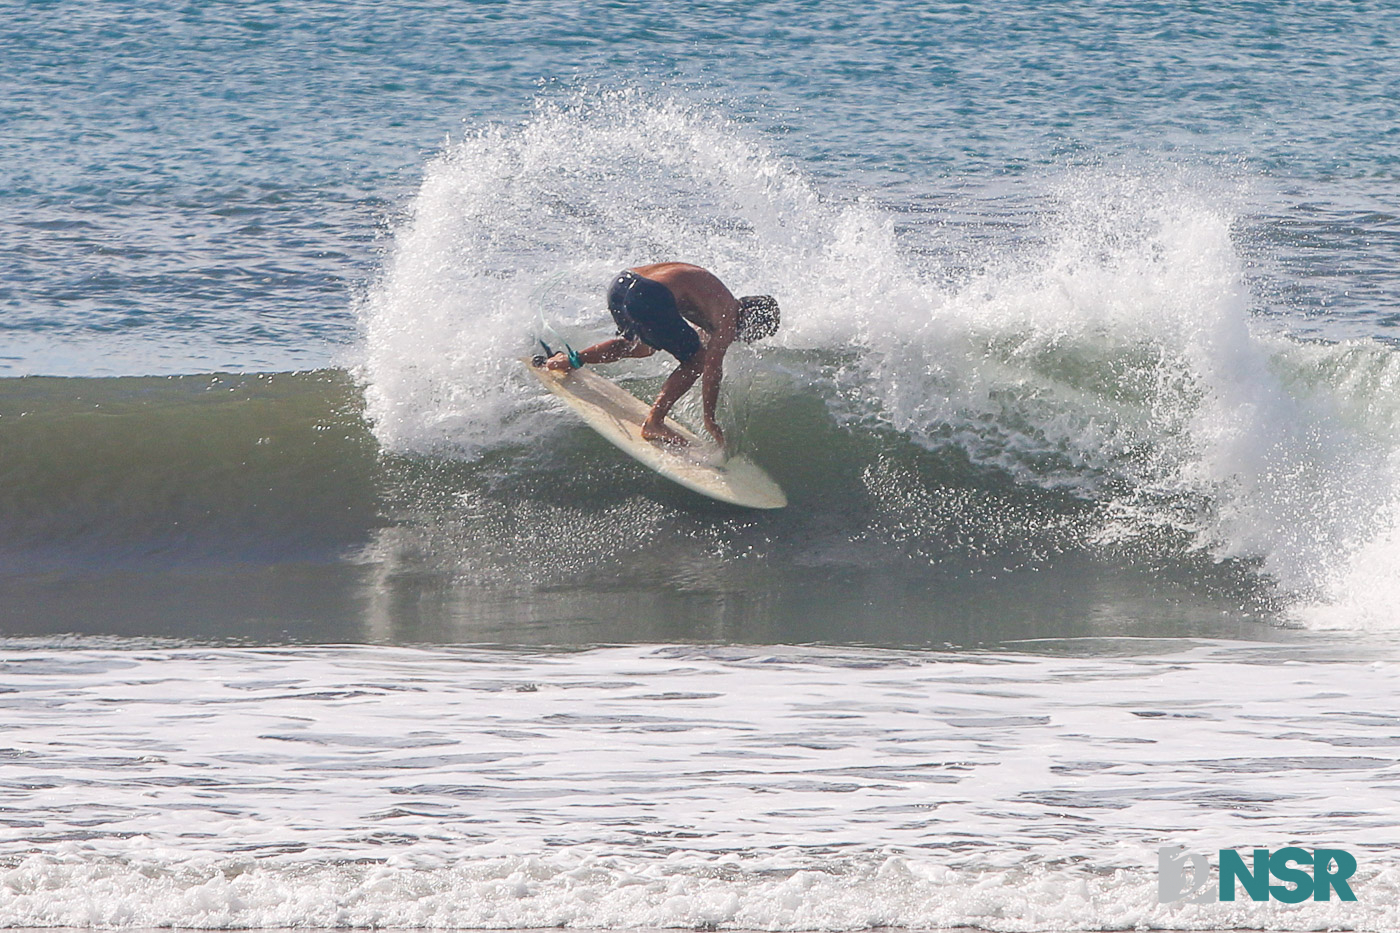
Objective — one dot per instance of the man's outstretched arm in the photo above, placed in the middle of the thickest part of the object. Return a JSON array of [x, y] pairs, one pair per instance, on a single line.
[[609, 351]]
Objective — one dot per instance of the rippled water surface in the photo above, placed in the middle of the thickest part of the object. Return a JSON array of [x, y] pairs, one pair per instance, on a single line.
[[191, 186]]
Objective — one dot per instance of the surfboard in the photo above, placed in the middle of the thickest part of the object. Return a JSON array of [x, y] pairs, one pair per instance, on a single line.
[[702, 467]]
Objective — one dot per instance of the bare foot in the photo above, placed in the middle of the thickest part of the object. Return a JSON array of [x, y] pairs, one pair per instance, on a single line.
[[559, 363], [665, 435], [715, 432]]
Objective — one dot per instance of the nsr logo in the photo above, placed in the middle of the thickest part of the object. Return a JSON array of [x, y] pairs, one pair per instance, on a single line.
[[1183, 875]]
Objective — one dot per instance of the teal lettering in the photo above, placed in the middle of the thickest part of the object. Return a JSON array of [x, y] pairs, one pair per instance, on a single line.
[[1232, 869], [1325, 880], [1302, 881]]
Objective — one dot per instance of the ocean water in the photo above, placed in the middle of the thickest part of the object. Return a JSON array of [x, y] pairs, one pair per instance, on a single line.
[[315, 611]]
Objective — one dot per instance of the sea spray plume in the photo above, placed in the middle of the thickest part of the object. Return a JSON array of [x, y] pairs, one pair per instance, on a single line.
[[581, 190], [1250, 463], [1223, 446], [1115, 358], [1360, 586]]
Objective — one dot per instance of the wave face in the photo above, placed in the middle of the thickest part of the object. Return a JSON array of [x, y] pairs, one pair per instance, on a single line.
[[182, 469], [1105, 365]]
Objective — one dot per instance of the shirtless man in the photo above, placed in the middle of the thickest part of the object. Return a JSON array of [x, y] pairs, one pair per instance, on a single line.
[[654, 307]]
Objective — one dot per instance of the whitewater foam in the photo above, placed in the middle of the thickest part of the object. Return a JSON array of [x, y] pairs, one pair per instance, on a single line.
[[690, 787]]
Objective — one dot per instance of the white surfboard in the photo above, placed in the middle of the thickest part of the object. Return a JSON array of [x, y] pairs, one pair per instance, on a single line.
[[617, 414]]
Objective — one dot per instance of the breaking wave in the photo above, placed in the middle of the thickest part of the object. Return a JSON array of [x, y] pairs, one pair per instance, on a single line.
[[1106, 352]]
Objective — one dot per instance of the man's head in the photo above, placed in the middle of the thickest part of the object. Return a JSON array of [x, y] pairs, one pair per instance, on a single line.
[[758, 317]]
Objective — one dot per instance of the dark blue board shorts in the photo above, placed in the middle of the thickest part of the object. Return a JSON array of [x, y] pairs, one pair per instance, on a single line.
[[646, 310]]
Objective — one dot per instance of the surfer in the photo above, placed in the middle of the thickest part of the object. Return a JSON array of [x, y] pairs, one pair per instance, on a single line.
[[686, 311]]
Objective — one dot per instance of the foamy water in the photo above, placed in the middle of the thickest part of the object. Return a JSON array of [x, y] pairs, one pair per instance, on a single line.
[[779, 789]]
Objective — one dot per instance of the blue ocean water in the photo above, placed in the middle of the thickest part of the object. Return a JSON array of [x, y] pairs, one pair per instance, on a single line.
[[315, 612], [205, 186]]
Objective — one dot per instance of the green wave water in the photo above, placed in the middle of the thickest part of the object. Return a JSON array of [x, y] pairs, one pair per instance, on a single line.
[[232, 507]]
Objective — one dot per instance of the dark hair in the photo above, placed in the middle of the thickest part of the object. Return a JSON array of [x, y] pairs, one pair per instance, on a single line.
[[758, 317]]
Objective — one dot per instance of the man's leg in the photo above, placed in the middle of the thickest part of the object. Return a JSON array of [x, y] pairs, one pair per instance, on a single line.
[[679, 382]]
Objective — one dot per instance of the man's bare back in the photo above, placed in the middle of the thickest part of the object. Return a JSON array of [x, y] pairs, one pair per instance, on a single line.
[[701, 297], [655, 307]]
